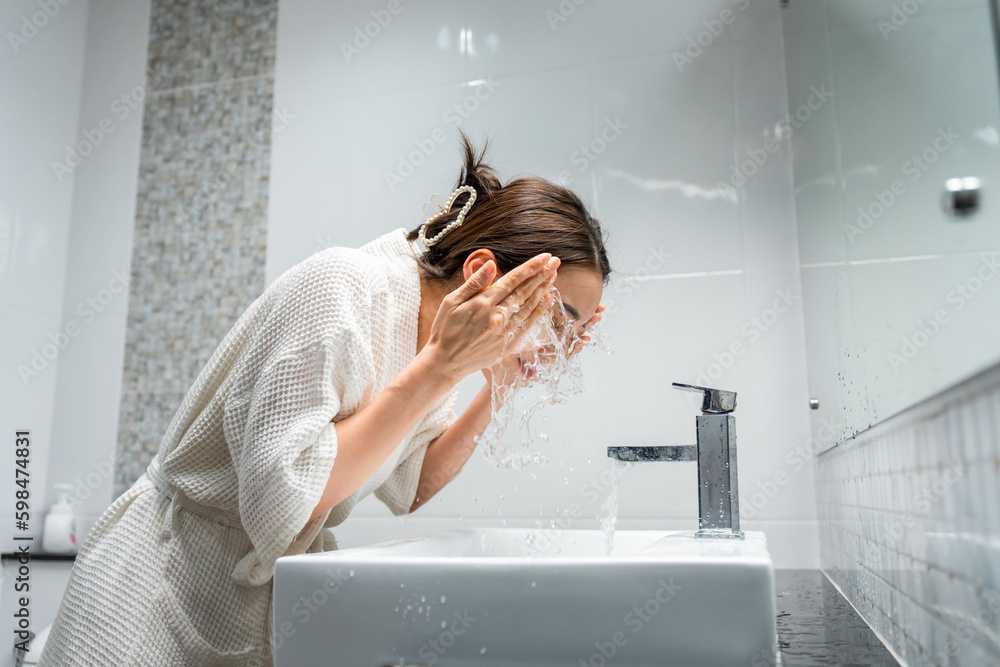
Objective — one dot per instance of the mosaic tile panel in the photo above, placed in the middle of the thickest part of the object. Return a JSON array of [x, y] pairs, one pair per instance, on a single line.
[[201, 41], [200, 232], [909, 515]]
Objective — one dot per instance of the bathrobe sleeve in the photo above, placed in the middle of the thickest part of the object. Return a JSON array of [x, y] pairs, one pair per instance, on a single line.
[[400, 488], [310, 355]]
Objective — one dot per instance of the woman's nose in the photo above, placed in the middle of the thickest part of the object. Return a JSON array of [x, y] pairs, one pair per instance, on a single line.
[[537, 337], [547, 350], [539, 354]]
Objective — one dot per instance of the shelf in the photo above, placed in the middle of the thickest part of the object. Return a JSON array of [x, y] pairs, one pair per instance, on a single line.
[[39, 555]]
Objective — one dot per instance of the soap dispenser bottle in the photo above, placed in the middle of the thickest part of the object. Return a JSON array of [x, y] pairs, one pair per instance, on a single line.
[[59, 534]]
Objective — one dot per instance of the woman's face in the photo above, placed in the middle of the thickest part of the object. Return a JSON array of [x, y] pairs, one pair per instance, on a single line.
[[579, 291], [579, 295]]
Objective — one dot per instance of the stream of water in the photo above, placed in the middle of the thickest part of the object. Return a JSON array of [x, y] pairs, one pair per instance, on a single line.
[[609, 510]]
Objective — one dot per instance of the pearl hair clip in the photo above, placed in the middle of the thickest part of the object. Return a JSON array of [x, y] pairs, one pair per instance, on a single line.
[[444, 209]]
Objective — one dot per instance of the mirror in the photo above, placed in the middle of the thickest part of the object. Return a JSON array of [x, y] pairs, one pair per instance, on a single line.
[[895, 135]]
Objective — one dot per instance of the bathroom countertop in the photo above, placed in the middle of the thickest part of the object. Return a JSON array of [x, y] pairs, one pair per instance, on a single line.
[[818, 627]]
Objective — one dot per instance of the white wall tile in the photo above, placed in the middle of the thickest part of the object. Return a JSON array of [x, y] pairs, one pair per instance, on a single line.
[[812, 122], [774, 435], [643, 27], [522, 36], [903, 119], [539, 122], [35, 206], [314, 52], [917, 345], [852, 12], [915, 70], [802, 16], [88, 390], [764, 156], [42, 122], [85, 425], [662, 180], [423, 45], [308, 195]]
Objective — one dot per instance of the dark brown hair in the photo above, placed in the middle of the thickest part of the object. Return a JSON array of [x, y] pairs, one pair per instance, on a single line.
[[516, 221]]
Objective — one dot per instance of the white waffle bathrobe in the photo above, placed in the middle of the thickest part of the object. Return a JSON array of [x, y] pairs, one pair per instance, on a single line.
[[177, 571]]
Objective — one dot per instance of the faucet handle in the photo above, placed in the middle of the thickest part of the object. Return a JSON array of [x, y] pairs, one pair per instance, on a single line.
[[714, 401]]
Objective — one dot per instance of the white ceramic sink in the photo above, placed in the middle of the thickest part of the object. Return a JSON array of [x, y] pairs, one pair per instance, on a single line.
[[529, 597]]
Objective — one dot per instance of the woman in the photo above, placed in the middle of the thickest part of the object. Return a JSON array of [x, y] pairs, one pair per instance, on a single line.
[[337, 382]]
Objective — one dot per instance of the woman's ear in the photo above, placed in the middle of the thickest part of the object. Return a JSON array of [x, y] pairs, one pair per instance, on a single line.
[[475, 261]]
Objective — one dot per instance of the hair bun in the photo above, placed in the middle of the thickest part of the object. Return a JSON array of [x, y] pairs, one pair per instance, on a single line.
[[476, 172]]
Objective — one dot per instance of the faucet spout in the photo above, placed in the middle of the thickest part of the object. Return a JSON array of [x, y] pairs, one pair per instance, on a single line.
[[668, 453]]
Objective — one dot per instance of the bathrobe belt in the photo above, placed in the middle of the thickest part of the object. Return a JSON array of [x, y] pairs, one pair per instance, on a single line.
[[178, 499]]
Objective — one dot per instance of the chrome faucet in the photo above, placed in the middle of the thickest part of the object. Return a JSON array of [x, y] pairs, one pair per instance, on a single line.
[[715, 452]]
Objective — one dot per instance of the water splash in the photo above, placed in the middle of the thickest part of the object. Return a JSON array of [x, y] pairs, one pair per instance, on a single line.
[[609, 509], [543, 373]]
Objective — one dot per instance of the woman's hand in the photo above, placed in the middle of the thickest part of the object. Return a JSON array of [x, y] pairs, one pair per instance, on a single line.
[[479, 324]]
